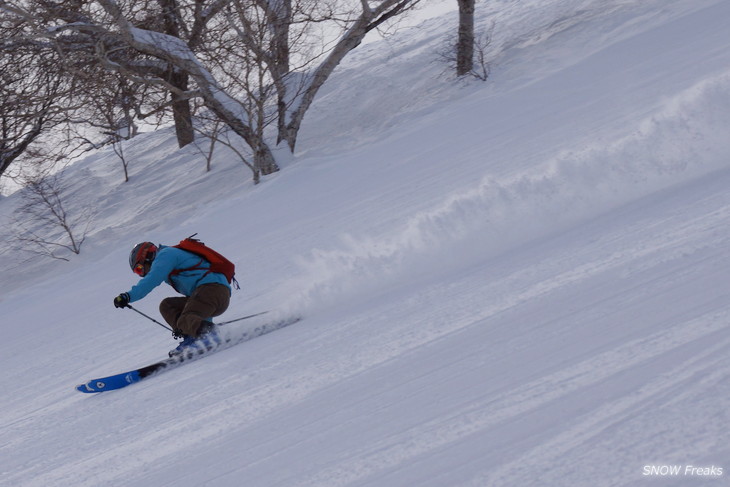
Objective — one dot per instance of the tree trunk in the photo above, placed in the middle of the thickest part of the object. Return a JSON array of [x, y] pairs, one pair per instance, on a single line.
[[181, 112], [264, 162], [347, 43], [465, 43]]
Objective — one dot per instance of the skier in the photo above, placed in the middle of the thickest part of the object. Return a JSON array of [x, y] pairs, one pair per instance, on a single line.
[[206, 293]]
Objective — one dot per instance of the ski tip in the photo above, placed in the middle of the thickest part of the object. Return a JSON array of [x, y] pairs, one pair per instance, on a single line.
[[110, 383], [86, 388]]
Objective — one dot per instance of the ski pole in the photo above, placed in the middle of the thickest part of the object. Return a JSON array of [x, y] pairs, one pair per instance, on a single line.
[[243, 318], [149, 317]]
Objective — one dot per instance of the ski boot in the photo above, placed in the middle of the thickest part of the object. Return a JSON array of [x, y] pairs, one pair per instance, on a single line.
[[207, 339]]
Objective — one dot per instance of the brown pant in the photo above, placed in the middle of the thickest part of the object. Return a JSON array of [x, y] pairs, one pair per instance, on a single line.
[[185, 314]]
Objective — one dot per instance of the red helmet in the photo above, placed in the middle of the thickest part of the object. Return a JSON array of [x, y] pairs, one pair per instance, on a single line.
[[142, 253]]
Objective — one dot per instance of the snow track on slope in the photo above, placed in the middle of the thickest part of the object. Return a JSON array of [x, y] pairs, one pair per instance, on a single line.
[[491, 411], [709, 365]]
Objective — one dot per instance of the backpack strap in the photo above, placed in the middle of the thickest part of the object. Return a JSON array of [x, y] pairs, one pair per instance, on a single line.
[[196, 267], [175, 272]]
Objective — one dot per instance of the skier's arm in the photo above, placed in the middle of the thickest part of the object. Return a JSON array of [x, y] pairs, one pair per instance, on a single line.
[[160, 269]]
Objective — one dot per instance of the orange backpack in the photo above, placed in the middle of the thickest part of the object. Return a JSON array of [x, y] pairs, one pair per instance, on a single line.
[[218, 263]]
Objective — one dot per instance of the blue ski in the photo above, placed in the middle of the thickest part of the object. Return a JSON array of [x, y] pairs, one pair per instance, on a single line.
[[128, 378], [125, 379], [108, 383]]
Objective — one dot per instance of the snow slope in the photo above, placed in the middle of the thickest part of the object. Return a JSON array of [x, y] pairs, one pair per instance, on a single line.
[[519, 282]]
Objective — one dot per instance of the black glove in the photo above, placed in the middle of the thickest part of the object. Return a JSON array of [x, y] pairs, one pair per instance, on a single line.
[[121, 301]]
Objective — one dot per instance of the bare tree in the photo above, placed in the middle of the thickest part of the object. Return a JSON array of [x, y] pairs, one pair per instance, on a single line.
[[118, 148], [467, 51], [31, 90], [298, 89], [211, 129], [481, 67], [164, 49], [49, 89], [113, 106], [45, 225], [80, 29], [265, 27], [465, 43], [235, 55], [188, 21]]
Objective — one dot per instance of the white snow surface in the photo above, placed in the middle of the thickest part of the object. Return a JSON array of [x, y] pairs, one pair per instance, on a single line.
[[523, 282]]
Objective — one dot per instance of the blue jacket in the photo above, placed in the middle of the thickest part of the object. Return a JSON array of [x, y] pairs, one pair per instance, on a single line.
[[167, 260]]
